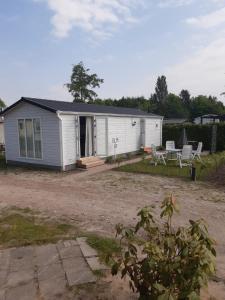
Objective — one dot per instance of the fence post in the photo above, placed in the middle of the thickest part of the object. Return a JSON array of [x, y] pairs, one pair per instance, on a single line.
[[193, 173], [213, 139]]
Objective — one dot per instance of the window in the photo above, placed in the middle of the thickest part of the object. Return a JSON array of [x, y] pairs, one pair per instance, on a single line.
[[30, 138], [22, 138], [37, 138]]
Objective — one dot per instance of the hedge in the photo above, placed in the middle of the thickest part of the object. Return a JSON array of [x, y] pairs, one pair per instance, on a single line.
[[200, 133]]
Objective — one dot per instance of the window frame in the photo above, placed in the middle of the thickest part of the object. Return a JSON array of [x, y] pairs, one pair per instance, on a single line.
[[24, 121]]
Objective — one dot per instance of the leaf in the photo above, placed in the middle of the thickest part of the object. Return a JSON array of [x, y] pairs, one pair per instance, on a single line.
[[159, 287], [165, 296], [115, 269], [193, 296]]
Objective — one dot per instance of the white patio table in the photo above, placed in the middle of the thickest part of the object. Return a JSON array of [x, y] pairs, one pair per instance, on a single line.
[[171, 153]]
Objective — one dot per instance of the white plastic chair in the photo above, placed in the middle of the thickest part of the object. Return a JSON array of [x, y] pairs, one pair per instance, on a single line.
[[170, 145], [197, 153], [158, 156], [185, 157]]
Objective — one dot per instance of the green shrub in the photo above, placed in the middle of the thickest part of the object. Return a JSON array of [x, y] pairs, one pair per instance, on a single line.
[[109, 160], [200, 133], [163, 262]]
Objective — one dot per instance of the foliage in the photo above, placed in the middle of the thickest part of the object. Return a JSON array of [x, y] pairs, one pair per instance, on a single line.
[[3, 165], [209, 165], [185, 96], [105, 247], [169, 105], [82, 84], [162, 262], [2, 103], [175, 108], [199, 133], [202, 105], [20, 227], [161, 90], [121, 157]]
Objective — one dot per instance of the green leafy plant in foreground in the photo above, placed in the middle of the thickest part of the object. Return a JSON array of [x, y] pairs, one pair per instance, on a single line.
[[162, 262]]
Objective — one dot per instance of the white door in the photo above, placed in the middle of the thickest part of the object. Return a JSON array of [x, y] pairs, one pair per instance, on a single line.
[[101, 136]]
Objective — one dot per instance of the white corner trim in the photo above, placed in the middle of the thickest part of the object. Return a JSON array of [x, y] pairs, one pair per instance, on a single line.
[[60, 139]]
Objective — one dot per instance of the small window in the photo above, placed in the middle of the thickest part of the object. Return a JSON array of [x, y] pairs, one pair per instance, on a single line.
[[30, 138]]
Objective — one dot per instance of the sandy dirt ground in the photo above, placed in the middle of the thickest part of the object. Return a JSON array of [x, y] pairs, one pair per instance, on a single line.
[[97, 202]]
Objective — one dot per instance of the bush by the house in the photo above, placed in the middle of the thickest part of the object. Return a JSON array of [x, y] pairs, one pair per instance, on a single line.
[[163, 262], [200, 133]]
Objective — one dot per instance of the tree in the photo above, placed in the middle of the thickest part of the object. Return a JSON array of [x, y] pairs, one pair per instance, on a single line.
[[174, 107], [82, 84], [202, 105], [163, 261], [161, 90], [2, 104], [185, 97]]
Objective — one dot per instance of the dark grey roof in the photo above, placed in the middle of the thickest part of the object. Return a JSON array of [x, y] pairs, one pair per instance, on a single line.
[[54, 106]]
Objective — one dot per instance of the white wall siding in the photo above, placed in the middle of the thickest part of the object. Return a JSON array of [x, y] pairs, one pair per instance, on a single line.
[[51, 148], [153, 132], [129, 136], [101, 136], [68, 139]]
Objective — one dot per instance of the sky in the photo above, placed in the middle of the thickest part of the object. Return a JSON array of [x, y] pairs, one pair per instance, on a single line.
[[128, 43]]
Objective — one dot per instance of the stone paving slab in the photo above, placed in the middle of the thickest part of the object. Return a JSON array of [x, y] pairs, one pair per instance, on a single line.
[[2, 295], [95, 264], [21, 258], [50, 272], [45, 272], [20, 278], [4, 259], [77, 271], [22, 292], [53, 288], [3, 275], [85, 248], [46, 255], [67, 252]]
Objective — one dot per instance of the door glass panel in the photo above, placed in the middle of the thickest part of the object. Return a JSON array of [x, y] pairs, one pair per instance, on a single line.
[[29, 136], [37, 138], [22, 139]]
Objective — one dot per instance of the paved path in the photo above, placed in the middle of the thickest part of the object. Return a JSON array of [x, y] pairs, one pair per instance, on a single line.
[[46, 272]]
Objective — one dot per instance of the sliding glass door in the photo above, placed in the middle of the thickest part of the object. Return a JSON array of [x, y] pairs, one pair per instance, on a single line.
[[30, 142], [29, 137]]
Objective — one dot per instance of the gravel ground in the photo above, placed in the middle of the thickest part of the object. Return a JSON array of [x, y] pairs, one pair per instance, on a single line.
[[97, 202]]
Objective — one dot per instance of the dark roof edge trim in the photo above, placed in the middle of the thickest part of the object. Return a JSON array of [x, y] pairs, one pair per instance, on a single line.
[[27, 101], [45, 107]]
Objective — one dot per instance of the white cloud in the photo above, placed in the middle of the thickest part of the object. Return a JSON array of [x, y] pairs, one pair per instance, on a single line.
[[203, 72], [210, 20], [179, 3], [98, 17], [168, 3]]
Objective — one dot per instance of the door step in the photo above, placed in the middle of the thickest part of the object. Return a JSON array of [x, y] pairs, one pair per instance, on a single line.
[[89, 162]]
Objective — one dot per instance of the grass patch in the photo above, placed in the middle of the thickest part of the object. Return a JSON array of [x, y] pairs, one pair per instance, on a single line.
[[104, 246], [3, 165], [210, 164], [21, 229]]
